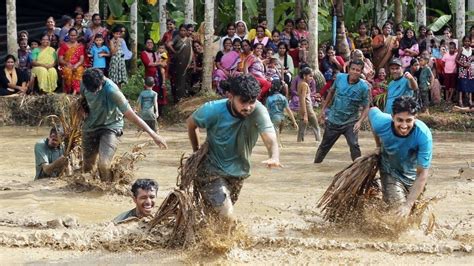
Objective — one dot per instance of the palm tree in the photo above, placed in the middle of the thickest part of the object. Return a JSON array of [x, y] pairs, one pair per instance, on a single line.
[[208, 40], [398, 11], [342, 47]]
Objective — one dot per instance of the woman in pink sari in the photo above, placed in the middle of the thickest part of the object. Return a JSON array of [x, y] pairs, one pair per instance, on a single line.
[[226, 64], [71, 59], [254, 65]]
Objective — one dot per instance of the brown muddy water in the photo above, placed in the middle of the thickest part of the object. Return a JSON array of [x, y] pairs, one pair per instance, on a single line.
[[277, 209]]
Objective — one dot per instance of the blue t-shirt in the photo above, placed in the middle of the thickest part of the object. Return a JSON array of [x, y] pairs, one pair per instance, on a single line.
[[231, 139], [396, 88], [276, 105], [146, 99], [348, 98], [99, 61], [402, 155]]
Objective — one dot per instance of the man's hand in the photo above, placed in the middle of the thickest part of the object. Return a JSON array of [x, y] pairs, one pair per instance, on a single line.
[[305, 119], [322, 117], [295, 126], [273, 163], [160, 141], [403, 211], [408, 75], [62, 161], [357, 126]]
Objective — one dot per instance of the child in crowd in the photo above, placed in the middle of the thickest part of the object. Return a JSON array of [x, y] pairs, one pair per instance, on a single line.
[[449, 71], [465, 61], [271, 69], [277, 104], [379, 86], [424, 82], [98, 52], [117, 68], [164, 63], [303, 52], [148, 104]]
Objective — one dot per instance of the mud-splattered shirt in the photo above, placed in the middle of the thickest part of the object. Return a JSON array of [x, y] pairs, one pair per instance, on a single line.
[[125, 216], [46, 155]]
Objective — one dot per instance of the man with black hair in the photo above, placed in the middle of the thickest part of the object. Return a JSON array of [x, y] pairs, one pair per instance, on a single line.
[[232, 127], [406, 147], [402, 84], [348, 94], [105, 108], [49, 155], [144, 194]]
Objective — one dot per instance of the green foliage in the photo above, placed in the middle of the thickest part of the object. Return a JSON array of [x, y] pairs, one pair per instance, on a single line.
[[116, 7], [440, 23], [354, 14], [135, 84]]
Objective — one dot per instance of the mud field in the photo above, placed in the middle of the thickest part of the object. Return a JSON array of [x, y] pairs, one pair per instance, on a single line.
[[44, 221]]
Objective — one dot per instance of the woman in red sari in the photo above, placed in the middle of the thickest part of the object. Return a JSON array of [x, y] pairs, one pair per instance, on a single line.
[[152, 62], [71, 59]]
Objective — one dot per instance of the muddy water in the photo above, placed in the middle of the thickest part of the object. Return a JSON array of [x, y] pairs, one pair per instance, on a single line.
[[277, 208]]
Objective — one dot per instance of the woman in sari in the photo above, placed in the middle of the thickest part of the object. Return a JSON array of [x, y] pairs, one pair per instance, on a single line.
[[383, 45], [12, 79], [286, 62], [44, 61], [182, 53], [254, 65], [226, 63], [153, 62], [71, 58], [246, 52]]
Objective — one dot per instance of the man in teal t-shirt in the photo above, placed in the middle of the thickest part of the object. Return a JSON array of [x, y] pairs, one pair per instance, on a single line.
[[232, 127], [402, 84], [105, 106], [49, 155], [406, 147], [346, 97]]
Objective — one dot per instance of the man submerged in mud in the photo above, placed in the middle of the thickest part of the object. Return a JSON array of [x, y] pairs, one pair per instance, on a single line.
[[49, 155], [232, 127], [144, 195], [406, 147], [105, 106]]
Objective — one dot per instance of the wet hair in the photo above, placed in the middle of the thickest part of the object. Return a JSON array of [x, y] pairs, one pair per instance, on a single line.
[[245, 86], [405, 104], [356, 62], [305, 71], [92, 79], [10, 56], [149, 81], [145, 184], [276, 87]]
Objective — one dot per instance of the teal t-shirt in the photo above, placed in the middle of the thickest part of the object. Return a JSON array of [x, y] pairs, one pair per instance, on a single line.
[[276, 105], [231, 139], [348, 98], [146, 100], [401, 155], [46, 155], [396, 88], [425, 78], [106, 107]]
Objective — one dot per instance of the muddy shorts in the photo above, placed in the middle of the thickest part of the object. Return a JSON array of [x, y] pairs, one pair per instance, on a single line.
[[102, 143], [216, 189], [394, 191]]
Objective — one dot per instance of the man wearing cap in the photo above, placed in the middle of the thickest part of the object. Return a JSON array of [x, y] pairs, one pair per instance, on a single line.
[[402, 84], [49, 155]]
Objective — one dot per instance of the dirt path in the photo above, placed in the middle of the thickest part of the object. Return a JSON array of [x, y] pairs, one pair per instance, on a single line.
[[277, 208]]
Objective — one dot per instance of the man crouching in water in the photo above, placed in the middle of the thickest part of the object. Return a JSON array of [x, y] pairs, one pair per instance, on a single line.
[[144, 195], [232, 127], [406, 147], [49, 155]]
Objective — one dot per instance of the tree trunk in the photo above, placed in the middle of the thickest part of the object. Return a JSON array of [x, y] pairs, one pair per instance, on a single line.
[[269, 8], [421, 12], [133, 35], [189, 12], [398, 11], [298, 9], [208, 51], [342, 47], [94, 7], [12, 38], [382, 15], [313, 34], [460, 20], [470, 7], [163, 17], [238, 10]]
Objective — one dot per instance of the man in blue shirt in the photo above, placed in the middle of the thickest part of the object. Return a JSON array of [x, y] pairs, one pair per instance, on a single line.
[[406, 148], [232, 127], [402, 84], [105, 106], [346, 97]]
